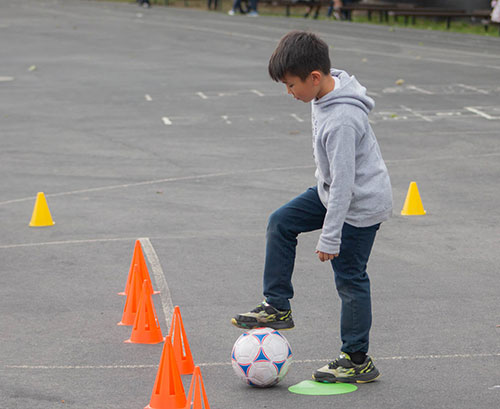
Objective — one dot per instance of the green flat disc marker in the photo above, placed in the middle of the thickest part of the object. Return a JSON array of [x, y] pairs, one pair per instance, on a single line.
[[320, 388]]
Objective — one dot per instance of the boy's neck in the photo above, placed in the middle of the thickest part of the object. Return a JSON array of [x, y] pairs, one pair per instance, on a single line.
[[326, 86]]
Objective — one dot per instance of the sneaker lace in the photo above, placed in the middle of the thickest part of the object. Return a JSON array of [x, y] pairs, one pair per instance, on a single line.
[[342, 360], [333, 364], [259, 308]]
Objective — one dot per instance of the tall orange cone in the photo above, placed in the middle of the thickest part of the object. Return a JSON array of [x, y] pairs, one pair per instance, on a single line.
[[138, 258], [146, 328], [197, 397], [133, 298], [181, 345], [413, 204], [168, 391], [41, 214]]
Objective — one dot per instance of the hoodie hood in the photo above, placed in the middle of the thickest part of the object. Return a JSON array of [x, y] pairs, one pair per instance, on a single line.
[[347, 91]]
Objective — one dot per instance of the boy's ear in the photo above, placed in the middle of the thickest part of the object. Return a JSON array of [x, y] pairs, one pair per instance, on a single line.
[[316, 77]]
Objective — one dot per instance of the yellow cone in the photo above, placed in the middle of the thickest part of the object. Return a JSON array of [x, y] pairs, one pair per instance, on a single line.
[[413, 204], [41, 213]]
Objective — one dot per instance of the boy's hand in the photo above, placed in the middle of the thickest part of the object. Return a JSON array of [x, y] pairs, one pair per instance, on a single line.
[[325, 256]]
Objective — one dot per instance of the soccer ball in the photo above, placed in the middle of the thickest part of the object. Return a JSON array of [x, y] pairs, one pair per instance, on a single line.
[[261, 357]]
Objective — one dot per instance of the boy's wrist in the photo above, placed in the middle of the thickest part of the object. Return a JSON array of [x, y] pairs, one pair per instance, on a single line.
[[327, 248]]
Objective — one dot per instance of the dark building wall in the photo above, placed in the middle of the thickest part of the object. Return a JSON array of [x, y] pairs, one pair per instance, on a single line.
[[452, 4]]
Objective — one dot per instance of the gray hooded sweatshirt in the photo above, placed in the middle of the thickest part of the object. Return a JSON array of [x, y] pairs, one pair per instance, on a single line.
[[353, 182]]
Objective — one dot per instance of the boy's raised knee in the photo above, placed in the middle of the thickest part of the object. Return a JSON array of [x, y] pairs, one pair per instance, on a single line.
[[275, 220]]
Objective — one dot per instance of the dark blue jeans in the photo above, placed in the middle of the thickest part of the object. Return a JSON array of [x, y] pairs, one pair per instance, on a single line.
[[307, 213]]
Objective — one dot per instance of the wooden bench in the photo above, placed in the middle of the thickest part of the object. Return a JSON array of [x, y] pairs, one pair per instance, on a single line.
[[386, 10], [288, 4], [382, 9], [449, 15]]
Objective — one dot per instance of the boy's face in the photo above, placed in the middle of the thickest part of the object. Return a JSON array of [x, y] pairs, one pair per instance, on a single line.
[[304, 91]]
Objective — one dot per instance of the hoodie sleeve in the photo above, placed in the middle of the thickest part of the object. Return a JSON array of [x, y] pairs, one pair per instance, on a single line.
[[340, 147]]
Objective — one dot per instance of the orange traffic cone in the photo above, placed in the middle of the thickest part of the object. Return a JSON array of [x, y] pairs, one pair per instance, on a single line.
[[168, 392], [146, 328], [197, 394], [138, 258], [132, 303], [181, 345]]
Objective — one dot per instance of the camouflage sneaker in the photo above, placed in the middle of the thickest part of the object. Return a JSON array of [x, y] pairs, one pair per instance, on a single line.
[[264, 315], [344, 370]]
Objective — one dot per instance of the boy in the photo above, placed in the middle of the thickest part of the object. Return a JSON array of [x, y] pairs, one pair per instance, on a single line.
[[352, 197]]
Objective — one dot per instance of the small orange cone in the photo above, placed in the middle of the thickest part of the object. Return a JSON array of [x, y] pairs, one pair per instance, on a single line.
[[41, 214], [413, 204], [197, 395], [146, 328], [132, 302], [138, 258], [168, 391], [181, 345]]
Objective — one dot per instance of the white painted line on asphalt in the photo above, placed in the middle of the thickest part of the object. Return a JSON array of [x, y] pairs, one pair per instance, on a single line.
[[178, 24], [228, 363], [5, 79], [417, 114], [257, 92], [478, 112], [161, 282], [201, 95], [226, 119], [295, 116], [421, 90], [457, 113], [79, 366], [415, 357], [481, 91], [184, 236], [447, 356], [148, 97], [166, 121], [243, 172], [377, 53], [441, 158], [52, 243], [156, 181]]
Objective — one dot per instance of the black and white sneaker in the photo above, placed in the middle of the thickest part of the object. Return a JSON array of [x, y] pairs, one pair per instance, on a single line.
[[264, 315], [344, 370]]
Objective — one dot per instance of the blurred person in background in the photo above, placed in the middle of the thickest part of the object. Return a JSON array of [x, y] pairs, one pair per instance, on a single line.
[[495, 12]]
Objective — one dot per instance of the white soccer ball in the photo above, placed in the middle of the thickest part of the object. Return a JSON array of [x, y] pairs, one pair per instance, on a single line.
[[261, 357]]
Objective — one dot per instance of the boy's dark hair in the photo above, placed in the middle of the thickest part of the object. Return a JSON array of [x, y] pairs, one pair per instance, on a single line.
[[299, 53]]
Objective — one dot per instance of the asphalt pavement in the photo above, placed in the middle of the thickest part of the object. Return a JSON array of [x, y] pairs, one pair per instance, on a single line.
[[162, 124]]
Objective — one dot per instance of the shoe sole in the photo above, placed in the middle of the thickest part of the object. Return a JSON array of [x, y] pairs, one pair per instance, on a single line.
[[273, 325], [345, 380]]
